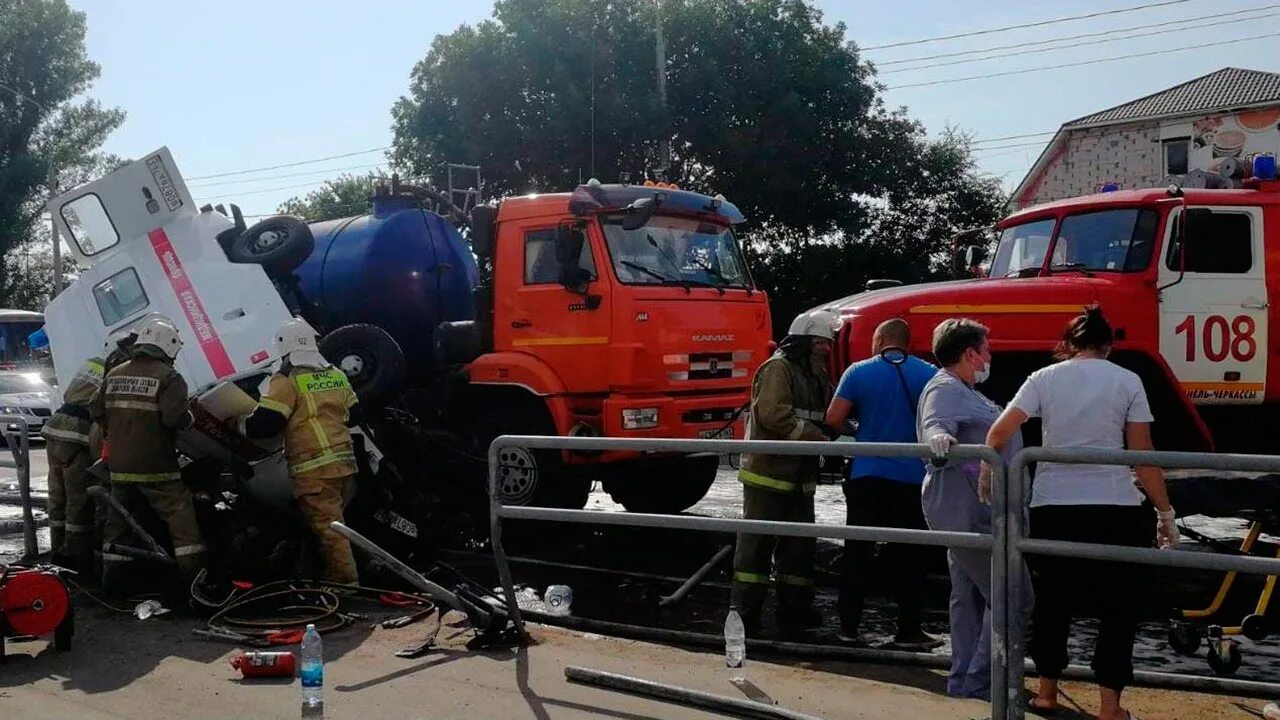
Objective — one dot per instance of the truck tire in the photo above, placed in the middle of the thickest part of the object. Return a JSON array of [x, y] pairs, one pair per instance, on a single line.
[[665, 486], [279, 244], [372, 360], [531, 477]]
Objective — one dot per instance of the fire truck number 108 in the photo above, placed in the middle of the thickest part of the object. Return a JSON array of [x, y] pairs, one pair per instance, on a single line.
[[1220, 338]]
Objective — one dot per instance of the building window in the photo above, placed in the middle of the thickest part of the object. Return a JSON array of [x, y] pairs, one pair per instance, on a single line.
[[1221, 242], [1177, 156]]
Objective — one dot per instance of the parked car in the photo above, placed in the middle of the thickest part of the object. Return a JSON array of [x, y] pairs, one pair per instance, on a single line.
[[26, 394]]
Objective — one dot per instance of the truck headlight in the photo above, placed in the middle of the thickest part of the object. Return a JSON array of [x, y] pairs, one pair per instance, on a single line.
[[639, 418]]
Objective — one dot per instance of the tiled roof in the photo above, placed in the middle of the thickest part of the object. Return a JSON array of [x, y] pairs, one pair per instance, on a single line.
[[1225, 89]]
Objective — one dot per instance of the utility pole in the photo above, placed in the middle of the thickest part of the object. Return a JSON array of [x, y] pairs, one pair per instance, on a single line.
[[664, 144], [57, 245]]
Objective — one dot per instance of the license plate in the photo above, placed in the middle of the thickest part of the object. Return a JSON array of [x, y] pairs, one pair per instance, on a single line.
[[397, 523], [717, 434]]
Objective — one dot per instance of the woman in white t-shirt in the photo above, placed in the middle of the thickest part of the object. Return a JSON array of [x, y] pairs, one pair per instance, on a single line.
[[1087, 401]]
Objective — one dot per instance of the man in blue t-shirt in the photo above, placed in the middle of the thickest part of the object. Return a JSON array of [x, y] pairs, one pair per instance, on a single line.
[[881, 393]]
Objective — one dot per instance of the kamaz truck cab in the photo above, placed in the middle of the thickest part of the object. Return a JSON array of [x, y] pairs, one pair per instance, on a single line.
[[1188, 278]]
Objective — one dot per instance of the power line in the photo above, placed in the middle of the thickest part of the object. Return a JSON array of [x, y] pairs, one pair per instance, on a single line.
[[1038, 23], [1066, 38], [1075, 45], [1083, 62], [1014, 145], [288, 175], [292, 164], [274, 189], [1014, 137]]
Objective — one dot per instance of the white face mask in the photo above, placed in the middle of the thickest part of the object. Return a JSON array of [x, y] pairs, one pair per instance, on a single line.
[[981, 376]]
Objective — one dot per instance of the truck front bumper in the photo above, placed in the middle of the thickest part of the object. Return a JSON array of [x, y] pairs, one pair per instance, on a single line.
[[719, 416]]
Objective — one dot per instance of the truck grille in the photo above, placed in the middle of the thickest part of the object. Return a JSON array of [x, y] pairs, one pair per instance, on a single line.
[[709, 415], [707, 365]]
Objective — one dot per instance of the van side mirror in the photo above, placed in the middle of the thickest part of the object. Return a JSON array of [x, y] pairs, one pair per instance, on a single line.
[[970, 256], [637, 214], [483, 227]]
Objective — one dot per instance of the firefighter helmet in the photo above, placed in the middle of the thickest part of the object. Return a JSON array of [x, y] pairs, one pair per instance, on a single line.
[[815, 323], [160, 332], [299, 342]]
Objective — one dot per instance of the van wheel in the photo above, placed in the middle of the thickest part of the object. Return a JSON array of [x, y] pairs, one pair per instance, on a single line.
[[371, 359], [279, 244], [531, 477], [663, 485]]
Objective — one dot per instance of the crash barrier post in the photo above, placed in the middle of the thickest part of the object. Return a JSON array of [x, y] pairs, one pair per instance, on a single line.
[[19, 442], [995, 542], [1020, 544]]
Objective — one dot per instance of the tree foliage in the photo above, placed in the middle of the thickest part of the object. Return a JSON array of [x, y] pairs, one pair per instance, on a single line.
[[49, 133], [766, 104], [344, 196]]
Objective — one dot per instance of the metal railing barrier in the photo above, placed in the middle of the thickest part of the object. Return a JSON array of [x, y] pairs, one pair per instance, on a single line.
[[19, 442], [996, 542], [1009, 583]]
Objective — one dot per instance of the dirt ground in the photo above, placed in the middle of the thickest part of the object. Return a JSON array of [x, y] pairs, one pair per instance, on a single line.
[[124, 668]]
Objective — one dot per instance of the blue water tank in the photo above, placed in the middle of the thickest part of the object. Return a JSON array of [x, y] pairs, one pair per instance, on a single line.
[[401, 268]]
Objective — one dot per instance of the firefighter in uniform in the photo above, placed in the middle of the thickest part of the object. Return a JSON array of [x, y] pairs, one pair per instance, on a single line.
[[789, 398], [141, 406], [67, 445], [313, 404]]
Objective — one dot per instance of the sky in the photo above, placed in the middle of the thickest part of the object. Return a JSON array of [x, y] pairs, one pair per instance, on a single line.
[[237, 85]]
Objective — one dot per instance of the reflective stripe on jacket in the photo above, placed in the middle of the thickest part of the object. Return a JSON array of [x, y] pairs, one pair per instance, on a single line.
[[74, 428], [315, 403], [142, 405], [787, 402]]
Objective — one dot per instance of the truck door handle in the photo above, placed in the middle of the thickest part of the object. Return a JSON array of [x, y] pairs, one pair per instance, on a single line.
[[1252, 304]]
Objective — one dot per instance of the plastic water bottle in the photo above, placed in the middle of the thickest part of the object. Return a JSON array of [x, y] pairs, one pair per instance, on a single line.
[[735, 643], [312, 674], [1271, 711]]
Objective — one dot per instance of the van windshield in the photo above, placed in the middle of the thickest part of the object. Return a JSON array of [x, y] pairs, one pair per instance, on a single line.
[[675, 250]]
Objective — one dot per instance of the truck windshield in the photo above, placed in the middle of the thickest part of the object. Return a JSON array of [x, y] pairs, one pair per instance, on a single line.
[[1118, 240], [677, 251]]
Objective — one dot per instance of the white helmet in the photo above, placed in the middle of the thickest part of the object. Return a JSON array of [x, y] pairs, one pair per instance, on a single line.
[[299, 342], [815, 323], [160, 332]]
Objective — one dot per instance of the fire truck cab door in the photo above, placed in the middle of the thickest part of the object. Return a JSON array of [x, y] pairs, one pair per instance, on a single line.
[[1213, 315]]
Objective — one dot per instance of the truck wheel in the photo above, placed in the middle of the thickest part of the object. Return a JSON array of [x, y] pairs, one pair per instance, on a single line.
[[279, 244], [532, 477], [371, 359], [665, 486]]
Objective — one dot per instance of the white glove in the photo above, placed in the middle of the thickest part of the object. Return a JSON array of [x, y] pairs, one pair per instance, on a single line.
[[941, 444], [1167, 529]]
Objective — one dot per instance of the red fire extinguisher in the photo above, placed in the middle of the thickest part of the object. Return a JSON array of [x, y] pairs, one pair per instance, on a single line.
[[265, 664]]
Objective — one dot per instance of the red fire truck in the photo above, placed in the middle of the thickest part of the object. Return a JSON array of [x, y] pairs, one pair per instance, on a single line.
[[1189, 278]]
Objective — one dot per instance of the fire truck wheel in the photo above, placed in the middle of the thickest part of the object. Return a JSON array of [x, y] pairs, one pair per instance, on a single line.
[[664, 485], [531, 477], [279, 244], [371, 359]]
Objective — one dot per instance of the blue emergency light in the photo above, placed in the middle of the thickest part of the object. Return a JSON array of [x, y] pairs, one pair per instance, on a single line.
[[1109, 187], [1264, 166]]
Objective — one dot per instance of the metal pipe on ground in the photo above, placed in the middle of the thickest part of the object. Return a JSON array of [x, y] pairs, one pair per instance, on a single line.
[[38, 500], [394, 564], [692, 582], [810, 651], [681, 695], [100, 493], [9, 527]]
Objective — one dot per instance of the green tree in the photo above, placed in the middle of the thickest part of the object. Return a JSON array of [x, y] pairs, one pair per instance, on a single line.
[[765, 104], [344, 196], [49, 133]]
